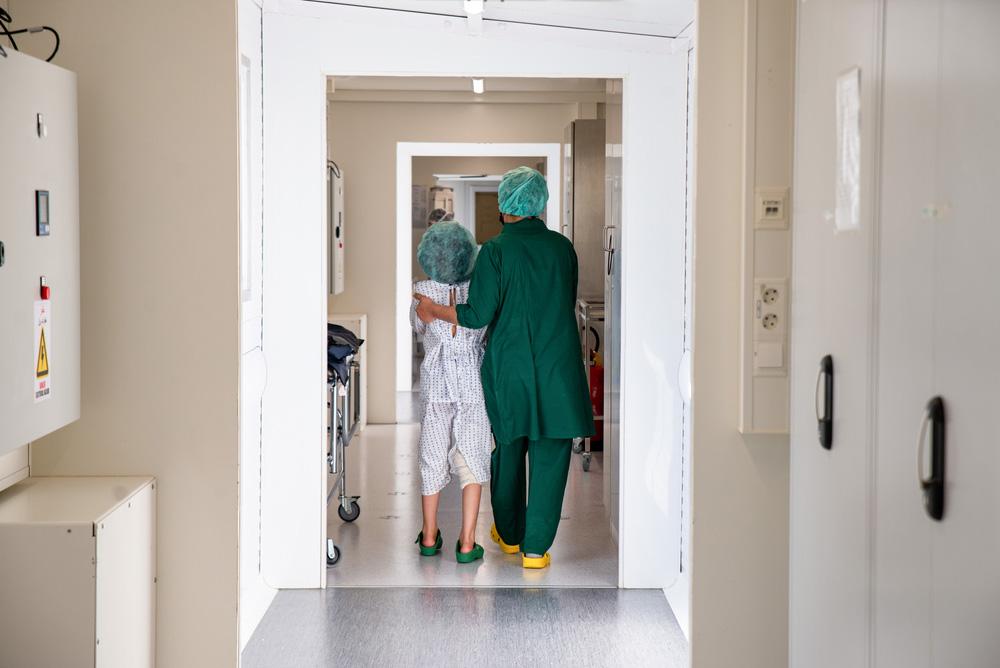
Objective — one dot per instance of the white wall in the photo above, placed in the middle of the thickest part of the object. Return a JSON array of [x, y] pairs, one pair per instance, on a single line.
[[158, 214], [362, 139], [255, 594], [740, 484]]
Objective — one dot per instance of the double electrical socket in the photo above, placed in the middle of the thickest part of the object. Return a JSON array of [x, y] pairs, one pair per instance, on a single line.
[[770, 302]]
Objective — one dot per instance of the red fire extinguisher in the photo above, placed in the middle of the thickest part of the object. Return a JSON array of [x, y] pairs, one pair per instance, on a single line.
[[597, 388]]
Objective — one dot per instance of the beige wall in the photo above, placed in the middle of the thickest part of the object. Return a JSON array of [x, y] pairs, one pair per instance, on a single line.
[[740, 484], [158, 213], [362, 139]]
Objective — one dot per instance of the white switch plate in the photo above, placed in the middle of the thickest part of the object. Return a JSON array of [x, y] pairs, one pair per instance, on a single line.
[[768, 355]]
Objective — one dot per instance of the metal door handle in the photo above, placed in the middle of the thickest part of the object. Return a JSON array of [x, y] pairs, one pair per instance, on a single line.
[[933, 485], [824, 418], [609, 247], [609, 238]]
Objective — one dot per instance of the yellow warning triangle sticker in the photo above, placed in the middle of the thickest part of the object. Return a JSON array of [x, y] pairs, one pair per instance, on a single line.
[[42, 369]]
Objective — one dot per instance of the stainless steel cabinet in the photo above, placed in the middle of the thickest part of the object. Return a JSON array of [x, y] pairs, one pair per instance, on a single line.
[[583, 159]]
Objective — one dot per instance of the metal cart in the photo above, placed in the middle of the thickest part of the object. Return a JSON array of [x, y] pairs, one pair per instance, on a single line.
[[344, 403], [589, 312]]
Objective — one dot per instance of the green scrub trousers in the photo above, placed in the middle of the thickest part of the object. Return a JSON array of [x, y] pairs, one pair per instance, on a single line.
[[529, 521]]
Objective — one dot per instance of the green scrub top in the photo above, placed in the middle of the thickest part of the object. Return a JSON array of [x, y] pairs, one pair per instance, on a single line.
[[524, 288]]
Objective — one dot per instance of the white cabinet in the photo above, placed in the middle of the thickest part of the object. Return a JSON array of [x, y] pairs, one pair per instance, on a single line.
[[877, 580], [965, 546], [77, 572], [937, 590], [902, 544], [831, 315]]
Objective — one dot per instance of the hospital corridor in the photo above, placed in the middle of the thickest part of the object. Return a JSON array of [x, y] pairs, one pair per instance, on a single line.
[[487, 333]]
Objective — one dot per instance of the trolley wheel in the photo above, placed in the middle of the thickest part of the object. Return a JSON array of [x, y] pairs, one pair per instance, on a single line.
[[332, 552], [577, 445], [349, 515], [586, 461]]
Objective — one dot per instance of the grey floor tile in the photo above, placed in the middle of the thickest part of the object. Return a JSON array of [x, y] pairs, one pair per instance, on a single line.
[[467, 627]]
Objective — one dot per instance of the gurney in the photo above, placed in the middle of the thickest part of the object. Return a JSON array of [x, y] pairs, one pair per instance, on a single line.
[[344, 404]]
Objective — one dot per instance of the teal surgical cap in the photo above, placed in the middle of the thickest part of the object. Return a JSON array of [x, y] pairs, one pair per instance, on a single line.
[[447, 253], [523, 193]]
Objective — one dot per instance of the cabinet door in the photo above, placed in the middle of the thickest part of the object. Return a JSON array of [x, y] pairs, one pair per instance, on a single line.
[[902, 539], [965, 553], [831, 315]]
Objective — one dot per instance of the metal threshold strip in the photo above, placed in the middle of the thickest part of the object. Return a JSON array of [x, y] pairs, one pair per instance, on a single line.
[[526, 23]]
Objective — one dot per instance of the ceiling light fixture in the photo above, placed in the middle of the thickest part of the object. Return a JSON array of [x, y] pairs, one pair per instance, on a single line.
[[473, 7], [478, 87]]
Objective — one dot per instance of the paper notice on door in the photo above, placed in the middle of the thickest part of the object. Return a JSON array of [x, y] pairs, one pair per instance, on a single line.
[[848, 212], [43, 341]]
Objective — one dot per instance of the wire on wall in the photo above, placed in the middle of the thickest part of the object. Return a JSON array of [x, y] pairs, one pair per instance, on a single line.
[[5, 31]]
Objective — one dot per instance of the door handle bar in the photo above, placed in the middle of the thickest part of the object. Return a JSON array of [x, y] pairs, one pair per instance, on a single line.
[[933, 484], [824, 416]]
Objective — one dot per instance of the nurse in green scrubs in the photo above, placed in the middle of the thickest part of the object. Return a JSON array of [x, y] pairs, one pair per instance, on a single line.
[[524, 289]]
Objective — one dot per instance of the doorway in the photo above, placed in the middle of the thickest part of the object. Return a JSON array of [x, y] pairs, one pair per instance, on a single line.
[[444, 178], [320, 40]]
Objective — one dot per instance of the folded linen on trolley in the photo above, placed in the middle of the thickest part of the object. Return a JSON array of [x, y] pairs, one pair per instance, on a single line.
[[341, 344]]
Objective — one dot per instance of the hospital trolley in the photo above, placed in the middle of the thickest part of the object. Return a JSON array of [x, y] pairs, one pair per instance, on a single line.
[[344, 403]]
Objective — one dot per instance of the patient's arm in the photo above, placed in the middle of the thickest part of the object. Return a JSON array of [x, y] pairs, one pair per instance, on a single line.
[[428, 311]]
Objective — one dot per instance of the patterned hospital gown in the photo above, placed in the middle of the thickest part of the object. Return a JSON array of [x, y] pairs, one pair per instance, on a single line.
[[451, 393]]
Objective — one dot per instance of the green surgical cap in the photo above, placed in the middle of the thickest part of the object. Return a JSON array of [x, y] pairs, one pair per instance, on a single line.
[[523, 192], [447, 253]]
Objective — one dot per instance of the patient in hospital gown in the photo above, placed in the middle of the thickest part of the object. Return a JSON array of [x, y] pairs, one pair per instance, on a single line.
[[455, 435]]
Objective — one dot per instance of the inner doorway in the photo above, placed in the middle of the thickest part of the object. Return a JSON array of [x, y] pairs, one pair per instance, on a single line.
[[377, 548]]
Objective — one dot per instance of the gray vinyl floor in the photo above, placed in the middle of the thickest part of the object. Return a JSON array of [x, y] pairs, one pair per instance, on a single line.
[[386, 606], [378, 548], [467, 627]]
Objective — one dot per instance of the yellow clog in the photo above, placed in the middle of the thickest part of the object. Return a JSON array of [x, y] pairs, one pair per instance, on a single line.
[[536, 562], [504, 547]]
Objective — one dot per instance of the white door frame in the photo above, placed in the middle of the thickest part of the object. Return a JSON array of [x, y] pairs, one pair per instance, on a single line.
[[306, 42], [405, 153]]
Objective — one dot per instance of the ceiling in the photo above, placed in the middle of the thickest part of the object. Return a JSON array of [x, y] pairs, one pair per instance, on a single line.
[[498, 90], [462, 84], [664, 18]]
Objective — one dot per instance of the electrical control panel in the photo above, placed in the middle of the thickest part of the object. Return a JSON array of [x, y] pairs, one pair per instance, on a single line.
[[39, 254]]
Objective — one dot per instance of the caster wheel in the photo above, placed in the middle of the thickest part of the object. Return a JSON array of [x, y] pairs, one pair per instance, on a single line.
[[586, 462], [332, 553], [577, 446], [349, 515]]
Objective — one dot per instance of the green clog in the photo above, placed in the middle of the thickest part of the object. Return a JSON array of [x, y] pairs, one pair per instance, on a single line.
[[426, 551], [468, 557]]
